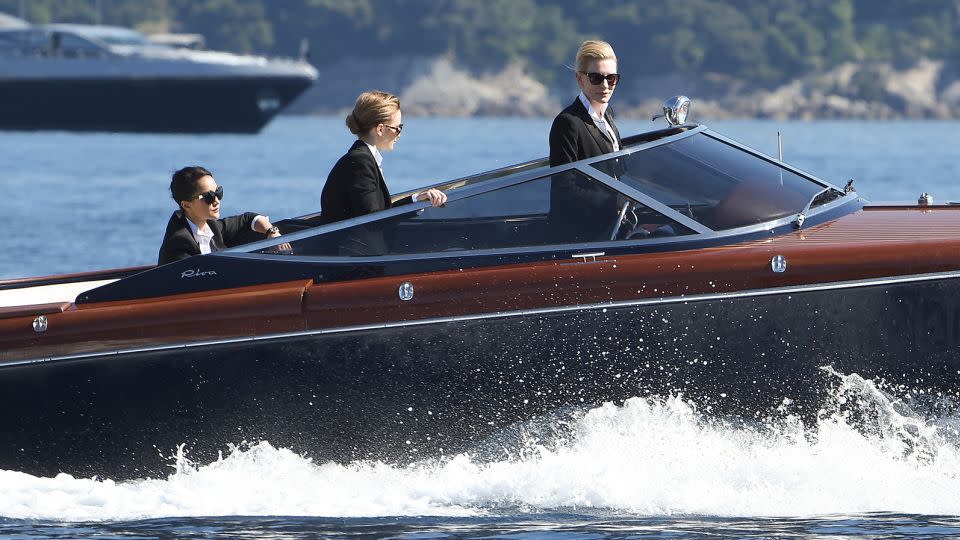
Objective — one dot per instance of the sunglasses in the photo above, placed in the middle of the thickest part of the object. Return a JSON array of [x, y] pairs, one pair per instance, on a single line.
[[210, 195], [596, 78], [398, 128]]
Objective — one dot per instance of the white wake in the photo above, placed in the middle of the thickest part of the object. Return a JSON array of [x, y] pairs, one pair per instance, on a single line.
[[867, 452]]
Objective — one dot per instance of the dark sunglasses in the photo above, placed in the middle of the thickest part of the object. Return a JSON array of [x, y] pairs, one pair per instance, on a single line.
[[596, 78], [210, 195], [398, 128]]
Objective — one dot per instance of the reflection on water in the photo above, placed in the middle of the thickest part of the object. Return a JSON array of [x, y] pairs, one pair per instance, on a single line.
[[550, 525]]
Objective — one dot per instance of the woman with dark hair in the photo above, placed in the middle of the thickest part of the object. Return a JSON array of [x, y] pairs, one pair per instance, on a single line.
[[355, 185], [197, 228]]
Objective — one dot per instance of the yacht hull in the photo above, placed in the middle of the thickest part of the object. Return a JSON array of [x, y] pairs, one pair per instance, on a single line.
[[147, 104]]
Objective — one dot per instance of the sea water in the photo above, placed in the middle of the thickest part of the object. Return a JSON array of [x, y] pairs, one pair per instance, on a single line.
[[870, 464], [79, 202], [875, 462]]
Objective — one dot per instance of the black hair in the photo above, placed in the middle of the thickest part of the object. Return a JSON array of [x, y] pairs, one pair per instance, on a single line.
[[183, 185]]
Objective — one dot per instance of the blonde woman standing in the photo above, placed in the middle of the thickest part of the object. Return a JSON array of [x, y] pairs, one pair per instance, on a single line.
[[355, 185], [585, 129]]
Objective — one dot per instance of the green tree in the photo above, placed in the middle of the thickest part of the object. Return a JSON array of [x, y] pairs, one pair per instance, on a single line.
[[237, 25], [763, 42]]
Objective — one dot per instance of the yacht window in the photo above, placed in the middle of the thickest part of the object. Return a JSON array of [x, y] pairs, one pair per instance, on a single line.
[[35, 41], [122, 38], [714, 183], [563, 208], [73, 46], [10, 41]]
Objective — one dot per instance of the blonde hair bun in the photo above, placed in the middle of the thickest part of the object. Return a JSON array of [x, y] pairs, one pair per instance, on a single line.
[[371, 109]]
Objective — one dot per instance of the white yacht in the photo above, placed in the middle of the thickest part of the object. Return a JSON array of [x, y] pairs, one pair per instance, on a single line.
[[107, 78]]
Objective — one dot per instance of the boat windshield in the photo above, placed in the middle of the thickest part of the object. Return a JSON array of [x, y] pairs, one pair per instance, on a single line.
[[714, 183], [563, 208]]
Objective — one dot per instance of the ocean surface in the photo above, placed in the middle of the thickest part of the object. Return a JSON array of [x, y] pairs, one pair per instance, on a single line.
[[79, 202], [647, 467]]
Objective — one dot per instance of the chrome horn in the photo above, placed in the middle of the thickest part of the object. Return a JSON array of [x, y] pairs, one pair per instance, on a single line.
[[675, 110]]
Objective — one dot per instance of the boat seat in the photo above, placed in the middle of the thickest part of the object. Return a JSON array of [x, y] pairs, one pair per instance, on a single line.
[[651, 230], [11, 312], [54, 293]]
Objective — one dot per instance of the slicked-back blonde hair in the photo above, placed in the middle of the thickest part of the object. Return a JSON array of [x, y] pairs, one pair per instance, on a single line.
[[371, 109], [592, 50]]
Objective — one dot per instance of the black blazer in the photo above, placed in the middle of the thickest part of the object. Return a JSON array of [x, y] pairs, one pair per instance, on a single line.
[[179, 243], [574, 136], [354, 187]]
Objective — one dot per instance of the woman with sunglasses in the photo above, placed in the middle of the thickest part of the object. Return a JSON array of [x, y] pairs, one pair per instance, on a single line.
[[585, 129], [197, 228], [355, 185]]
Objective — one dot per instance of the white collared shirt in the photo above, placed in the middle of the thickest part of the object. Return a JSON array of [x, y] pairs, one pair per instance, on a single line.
[[378, 157], [600, 121], [204, 236]]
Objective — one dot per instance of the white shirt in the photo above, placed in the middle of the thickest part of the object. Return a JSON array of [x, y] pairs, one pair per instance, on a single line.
[[599, 121], [378, 157], [204, 236]]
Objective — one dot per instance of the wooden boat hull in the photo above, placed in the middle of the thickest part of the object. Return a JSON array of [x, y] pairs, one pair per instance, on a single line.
[[406, 390]]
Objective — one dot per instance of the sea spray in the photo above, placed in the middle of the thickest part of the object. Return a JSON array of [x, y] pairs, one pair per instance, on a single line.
[[867, 450]]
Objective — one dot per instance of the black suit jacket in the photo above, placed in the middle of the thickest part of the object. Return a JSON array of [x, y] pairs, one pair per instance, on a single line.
[[581, 210], [574, 136], [355, 186], [179, 243]]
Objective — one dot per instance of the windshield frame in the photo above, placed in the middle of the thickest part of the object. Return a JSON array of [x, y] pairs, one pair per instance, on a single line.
[[479, 183]]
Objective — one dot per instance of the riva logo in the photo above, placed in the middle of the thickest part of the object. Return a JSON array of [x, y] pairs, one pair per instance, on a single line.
[[197, 273]]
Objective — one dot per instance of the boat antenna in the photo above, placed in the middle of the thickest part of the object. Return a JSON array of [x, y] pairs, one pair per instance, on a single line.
[[304, 50]]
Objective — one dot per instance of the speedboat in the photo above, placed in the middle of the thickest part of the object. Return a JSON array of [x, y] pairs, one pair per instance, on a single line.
[[105, 78], [684, 264]]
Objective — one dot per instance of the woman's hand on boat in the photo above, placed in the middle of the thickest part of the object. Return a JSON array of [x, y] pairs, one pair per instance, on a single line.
[[282, 249], [435, 196]]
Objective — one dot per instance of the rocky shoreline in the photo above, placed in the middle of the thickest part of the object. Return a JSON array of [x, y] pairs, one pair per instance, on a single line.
[[927, 89]]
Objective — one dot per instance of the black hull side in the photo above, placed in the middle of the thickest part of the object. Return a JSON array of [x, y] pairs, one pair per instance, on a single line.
[[156, 105], [403, 393]]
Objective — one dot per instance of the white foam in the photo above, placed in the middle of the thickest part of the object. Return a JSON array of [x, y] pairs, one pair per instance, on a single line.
[[648, 457]]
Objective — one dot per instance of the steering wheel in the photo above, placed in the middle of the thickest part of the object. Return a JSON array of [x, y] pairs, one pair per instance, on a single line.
[[629, 218]]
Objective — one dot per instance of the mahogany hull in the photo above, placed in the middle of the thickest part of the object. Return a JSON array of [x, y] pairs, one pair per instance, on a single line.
[[409, 390]]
